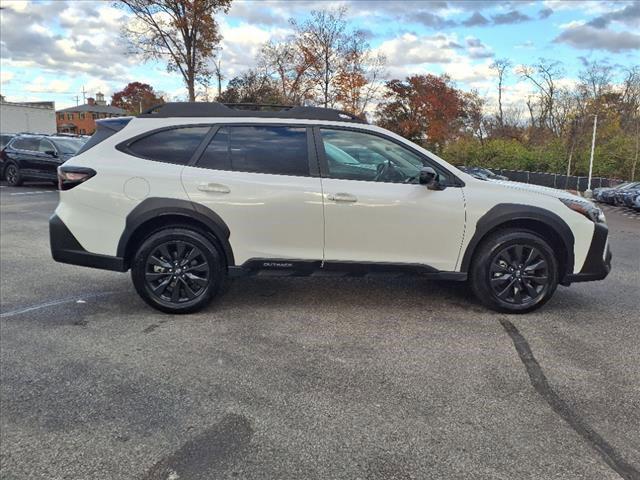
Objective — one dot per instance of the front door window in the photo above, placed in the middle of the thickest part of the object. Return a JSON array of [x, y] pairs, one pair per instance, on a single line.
[[361, 156]]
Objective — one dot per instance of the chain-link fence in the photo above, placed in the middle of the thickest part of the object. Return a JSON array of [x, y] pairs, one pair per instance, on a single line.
[[555, 180]]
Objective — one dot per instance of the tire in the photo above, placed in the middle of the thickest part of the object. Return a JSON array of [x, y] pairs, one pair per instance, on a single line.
[[12, 175], [165, 281], [500, 278]]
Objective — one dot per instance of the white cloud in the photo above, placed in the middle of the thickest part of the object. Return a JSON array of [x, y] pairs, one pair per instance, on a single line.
[[409, 49], [6, 77], [18, 5], [89, 41], [41, 85], [240, 45], [476, 75]]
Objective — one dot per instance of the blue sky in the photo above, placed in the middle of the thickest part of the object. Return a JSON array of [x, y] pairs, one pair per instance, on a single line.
[[50, 50]]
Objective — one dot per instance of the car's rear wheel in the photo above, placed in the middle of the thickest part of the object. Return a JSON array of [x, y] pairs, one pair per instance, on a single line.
[[514, 271], [178, 270], [12, 175]]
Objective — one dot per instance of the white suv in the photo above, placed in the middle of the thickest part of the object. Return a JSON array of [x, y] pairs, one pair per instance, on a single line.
[[189, 194]]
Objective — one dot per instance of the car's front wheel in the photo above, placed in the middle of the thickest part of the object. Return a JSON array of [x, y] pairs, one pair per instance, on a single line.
[[12, 175], [514, 271], [178, 270]]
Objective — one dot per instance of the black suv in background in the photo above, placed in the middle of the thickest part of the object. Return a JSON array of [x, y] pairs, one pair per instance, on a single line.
[[37, 157]]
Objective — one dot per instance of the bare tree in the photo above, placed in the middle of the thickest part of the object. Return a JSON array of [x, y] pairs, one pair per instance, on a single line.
[[501, 67], [474, 119], [184, 33], [630, 99], [323, 38], [596, 79], [252, 86], [291, 67], [544, 76]]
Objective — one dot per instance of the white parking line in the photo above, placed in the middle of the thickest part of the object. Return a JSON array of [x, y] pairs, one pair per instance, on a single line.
[[35, 192], [53, 303]]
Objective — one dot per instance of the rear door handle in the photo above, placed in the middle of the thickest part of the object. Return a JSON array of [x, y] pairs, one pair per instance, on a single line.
[[213, 188], [342, 197]]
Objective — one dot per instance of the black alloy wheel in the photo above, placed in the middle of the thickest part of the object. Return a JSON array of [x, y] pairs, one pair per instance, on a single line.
[[177, 272], [514, 271], [178, 269], [12, 175], [519, 274]]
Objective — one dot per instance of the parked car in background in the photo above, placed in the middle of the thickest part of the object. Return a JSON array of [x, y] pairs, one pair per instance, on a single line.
[[636, 203], [607, 194], [482, 173], [36, 157], [5, 138], [627, 196]]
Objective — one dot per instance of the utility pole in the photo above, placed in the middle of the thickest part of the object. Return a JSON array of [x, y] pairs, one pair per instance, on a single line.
[[77, 100], [588, 193], [84, 97], [217, 65], [635, 160]]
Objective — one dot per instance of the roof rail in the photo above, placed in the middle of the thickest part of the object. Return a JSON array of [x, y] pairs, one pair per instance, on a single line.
[[215, 109]]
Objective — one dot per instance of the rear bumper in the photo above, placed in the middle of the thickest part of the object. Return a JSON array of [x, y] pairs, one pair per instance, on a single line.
[[598, 262], [66, 249]]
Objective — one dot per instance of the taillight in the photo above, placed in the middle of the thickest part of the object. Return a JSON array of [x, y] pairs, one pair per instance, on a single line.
[[69, 177]]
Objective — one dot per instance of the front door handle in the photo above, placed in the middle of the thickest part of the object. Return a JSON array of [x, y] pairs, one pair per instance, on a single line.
[[213, 188], [342, 197]]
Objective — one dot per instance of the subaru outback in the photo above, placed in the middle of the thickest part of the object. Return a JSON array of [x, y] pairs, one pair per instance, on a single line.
[[187, 195]]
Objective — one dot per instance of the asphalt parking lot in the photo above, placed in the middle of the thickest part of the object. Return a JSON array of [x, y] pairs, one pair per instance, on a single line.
[[310, 378]]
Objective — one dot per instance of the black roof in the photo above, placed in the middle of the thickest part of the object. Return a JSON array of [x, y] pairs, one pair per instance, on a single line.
[[215, 109]]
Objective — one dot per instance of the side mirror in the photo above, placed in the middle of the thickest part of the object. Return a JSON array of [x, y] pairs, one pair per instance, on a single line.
[[51, 153], [429, 177]]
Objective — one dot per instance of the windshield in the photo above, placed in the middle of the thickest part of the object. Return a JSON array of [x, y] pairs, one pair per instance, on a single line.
[[68, 145]]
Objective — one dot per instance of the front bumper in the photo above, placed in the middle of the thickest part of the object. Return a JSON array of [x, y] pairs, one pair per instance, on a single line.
[[598, 262], [66, 249]]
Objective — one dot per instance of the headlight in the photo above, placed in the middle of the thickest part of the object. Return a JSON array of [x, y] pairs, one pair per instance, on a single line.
[[587, 209]]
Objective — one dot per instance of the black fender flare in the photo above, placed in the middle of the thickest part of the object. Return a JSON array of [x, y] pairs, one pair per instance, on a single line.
[[508, 212], [154, 207]]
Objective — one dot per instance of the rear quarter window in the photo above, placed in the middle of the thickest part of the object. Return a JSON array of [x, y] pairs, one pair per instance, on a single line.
[[176, 145], [104, 129]]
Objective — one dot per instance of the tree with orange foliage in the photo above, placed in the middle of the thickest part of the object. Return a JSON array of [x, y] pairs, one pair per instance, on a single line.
[[426, 109], [182, 32], [357, 81], [136, 97]]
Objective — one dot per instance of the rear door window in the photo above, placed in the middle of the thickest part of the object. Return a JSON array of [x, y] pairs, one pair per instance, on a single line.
[[276, 150], [24, 143], [176, 145]]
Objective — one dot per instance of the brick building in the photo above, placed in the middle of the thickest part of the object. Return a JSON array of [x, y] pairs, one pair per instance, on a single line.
[[82, 119]]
